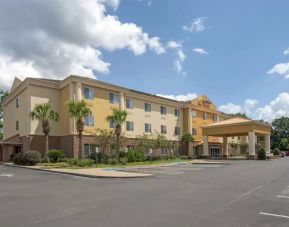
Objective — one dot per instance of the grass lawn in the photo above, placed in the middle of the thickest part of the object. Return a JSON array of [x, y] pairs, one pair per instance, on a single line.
[[146, 163]]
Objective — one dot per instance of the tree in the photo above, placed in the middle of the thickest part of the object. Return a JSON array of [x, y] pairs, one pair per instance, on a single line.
[[239, 115], [118, 117], [44, 113], [280, 133], [3, 95], [187, 138], [78, 110]]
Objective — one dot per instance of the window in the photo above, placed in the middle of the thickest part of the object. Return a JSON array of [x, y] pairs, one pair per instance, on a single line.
[[194, 114], [177, 131], [89, 148], [163, 129], [205, 116], [194, 131], [148, 127], [89, 121], [112, 124], [148, 107], [215, 118], [113, 98], [17, 125], [17, 102], [164, 151], [163, 110], [129, 104], [129, 126], [88, 93], [177, 113]]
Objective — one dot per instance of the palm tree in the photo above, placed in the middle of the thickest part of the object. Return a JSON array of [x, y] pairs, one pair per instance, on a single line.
[[79, 111], [118, 117], [44, 113]]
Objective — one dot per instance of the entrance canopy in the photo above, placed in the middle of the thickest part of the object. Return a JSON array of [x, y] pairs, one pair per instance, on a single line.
[[237, 127]]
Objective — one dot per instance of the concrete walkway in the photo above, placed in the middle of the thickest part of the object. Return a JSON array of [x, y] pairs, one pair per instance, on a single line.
[[88, 172]]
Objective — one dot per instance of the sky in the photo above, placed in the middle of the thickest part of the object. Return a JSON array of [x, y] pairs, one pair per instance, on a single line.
[[235, 52]]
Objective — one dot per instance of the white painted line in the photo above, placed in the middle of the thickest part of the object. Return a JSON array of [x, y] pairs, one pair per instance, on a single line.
[[282, 196], [274, 215], [6, 175]]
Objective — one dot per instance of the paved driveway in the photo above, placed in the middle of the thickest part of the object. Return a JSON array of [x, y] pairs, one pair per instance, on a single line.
[[245, 193]]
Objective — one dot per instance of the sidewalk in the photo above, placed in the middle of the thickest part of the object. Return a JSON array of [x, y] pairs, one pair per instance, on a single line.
[[89, 172]]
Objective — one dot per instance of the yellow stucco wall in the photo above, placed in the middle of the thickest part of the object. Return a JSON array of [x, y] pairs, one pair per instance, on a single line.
[[39, 95], [12, 114], [155, 118]]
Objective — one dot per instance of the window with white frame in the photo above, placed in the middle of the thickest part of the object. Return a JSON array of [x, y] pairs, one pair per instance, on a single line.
[[215, 117], [177, 113], [194, 114], [164, 151], [148, 127], [88, 93], [17, 125], [163, 129], [89, 121], [205, 116], [112, 123], [129, 104], [89, 149], [163, 110], [113, 98], [129, 126], [148, 107], [194, 131], [17, 102], [177, 131]]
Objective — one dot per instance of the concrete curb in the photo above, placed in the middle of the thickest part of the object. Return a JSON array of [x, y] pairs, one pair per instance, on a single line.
[[76, 174]]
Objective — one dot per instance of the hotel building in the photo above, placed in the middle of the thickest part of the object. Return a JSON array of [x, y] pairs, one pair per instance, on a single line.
[[147, 113]]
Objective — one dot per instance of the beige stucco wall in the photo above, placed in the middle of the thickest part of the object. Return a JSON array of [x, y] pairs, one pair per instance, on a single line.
[[12, 114], [39, 95]]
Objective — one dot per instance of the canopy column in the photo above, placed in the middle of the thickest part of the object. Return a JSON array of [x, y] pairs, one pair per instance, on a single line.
[[252, 149], [225, 147], [267, 145], [205, 146]]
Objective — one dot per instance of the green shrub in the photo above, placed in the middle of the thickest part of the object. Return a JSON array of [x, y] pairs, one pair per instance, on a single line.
[[31, 157], [72, 161], [135, 156], [84, 162], [156, 158], [94, 156], [55, 155], [261, 154], [276, 151], [17, 159], [112, 161]]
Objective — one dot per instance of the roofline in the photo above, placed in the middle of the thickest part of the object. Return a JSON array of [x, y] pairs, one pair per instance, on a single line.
[[237, 123]]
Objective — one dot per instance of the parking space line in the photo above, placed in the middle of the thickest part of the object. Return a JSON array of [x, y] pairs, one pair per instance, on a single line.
[[282, 196], [274, 215]]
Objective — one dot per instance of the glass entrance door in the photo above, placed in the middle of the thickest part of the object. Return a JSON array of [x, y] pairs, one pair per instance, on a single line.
[[215, 152]]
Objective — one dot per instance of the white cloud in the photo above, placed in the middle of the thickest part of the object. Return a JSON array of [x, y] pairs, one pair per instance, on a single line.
[[197, 25], [180, 57], [286, 51], [280, 69], [55, 38], [200, 51], [230, 108], [277, 108], [186, 97], [247, 107]]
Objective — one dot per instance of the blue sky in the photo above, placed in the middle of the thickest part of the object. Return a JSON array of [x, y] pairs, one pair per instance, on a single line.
[[223, 48]]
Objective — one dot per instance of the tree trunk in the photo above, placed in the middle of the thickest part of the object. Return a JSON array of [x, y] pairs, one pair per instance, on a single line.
[[80, 145], [46, 144], [117, 148]]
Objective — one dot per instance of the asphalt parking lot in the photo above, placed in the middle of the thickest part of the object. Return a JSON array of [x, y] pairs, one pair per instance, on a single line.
[[245, 193]]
